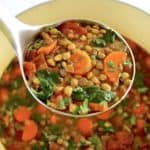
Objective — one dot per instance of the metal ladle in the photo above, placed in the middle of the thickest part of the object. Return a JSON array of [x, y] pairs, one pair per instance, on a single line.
[[20, 34]]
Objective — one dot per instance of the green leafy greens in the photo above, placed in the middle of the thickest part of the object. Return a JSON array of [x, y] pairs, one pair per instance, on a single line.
[[139, 82], [47, 81], [95, 140], [106, 39], [93, 94]]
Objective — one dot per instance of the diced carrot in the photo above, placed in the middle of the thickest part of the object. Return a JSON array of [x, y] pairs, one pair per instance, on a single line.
[[72, 25], [53, 119], [40, 62], [85, 126], [106, 115], [29, 68], [116, 58], [98, 107], [22, 113], [6, 77], [3, 95], [30, 130], [47, 49], [140, 109], [81, 62], [140, 124], [41, 109], [16, 72]]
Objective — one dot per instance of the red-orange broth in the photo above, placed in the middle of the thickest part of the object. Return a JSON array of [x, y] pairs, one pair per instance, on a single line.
[[27, 125]]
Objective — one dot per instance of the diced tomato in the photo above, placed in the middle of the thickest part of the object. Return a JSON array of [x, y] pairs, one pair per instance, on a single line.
[[71, 25], [139, 109], [16, 72]]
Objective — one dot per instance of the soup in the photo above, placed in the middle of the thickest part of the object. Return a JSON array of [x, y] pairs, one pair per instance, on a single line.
[[78, 68], [26, 124]]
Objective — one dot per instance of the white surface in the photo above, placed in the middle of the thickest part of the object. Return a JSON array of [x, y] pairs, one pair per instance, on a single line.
[[17, 6]]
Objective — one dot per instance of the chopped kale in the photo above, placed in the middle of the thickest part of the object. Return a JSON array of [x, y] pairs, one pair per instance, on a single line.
[[107, 38]]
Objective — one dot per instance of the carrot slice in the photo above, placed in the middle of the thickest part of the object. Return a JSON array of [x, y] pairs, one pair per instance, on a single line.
[[47, 49], [81, 62], [115, 58], [3, 95], [85, 126], [22, 113], [106, 115], [6, 77], [29, 68], [30, 130], [98, 107], [53, 119]]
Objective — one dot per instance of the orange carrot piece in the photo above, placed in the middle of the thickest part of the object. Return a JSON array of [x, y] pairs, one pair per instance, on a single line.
[[29, 68], [85, 126], [47, 49], [106, 115], [140, 109], [30, 130], [98, 107], [6, 77], [3, 95], [16, 72], [22, 113], [116, 58], [81, 62], [41, 109], [53, 119], [140, 123]]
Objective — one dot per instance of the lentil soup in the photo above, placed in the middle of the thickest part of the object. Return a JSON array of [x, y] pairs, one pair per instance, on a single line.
[[78, 67], [27, 125]]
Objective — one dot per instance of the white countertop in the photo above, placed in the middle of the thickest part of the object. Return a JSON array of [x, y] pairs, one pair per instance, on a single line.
[[17, 6]]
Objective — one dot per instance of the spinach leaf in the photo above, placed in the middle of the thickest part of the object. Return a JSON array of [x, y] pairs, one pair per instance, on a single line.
[[132, 120], [47, 80], [107, 38], [56, 130], [36, 117], [107, 129], [95, 140], [64, 102], [16, 84], [71, 145], [79, 94], [93, 94], [139, 83], [84, 107]]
